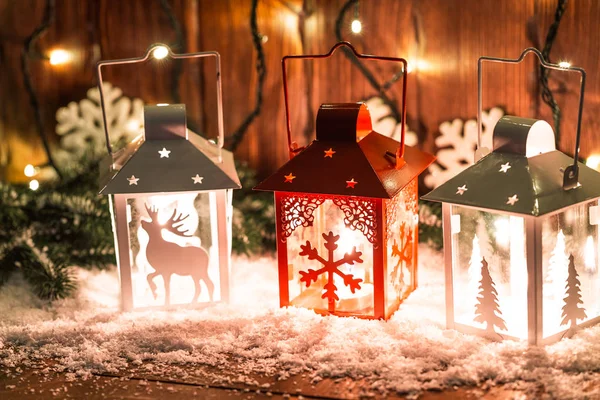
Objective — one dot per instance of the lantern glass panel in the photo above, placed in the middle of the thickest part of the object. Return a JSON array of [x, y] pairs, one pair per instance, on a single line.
[[570, 292], [489, 271], [402, 230], [328, 217], [158, 250]]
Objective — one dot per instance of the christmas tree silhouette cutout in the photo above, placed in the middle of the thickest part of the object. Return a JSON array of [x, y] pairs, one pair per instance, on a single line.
[[487, 309], [571, 311]]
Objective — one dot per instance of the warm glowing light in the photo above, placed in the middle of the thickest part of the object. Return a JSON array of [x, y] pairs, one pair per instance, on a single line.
[[589, 256], [417, 65], [182, 287], [423, 65], [349, 239], [59, 56], [162, 104], [593, 162], [564, 64], [132, 125], [29, 170], [502, 231], [290, 20], [34, 184], [356, 26], [160, 52]]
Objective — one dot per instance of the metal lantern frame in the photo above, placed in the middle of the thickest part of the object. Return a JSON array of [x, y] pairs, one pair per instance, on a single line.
[[206, 156], [567, 194], [387, 174]]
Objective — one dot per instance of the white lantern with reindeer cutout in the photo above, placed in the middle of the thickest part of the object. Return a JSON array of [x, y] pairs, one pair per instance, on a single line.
[[521, 234], [171, 193]]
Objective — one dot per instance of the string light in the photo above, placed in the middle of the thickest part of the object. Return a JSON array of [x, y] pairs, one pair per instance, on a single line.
[[34, 184], [356, 25], [29, 170], [593, 161], [564, 64], [160, 52], [59, 56]]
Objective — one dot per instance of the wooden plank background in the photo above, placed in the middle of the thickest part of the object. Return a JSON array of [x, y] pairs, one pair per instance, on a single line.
[[445, 36]]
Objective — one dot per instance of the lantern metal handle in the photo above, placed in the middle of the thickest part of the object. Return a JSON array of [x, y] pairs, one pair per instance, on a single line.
[[221, 139], [571, 172], [292, 148]]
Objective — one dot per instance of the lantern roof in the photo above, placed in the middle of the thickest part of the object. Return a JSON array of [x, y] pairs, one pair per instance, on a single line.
[[508, 180], [165, 159], [335, 163]]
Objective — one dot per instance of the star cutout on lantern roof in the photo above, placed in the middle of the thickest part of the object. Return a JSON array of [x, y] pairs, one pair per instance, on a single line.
[[289, 178], [329, 153], [133, 180], [512, 200], [351, 183], [197, 179], [164, 153], [461, 189], [505, 167]]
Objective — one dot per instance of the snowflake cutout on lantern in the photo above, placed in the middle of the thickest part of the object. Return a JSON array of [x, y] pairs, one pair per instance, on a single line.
[[80, 125], [330, 267], [457, 144], [385, 123], [404, 252]]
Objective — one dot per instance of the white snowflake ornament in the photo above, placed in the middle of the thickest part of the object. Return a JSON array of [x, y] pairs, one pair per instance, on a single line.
[[385, 123], [80, 124], [457, 144]]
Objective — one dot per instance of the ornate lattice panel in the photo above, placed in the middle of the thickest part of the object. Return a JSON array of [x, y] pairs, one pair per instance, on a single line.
[[298, 211], [359, 213]]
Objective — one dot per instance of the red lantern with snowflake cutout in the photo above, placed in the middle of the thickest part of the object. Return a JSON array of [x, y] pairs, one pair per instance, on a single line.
[[347, 216], [522, 234]]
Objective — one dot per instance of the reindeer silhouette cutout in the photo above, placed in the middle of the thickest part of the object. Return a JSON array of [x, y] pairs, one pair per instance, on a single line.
[[168, 258]]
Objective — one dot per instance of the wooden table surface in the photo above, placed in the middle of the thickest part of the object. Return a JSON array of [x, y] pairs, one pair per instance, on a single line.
[[34, 383]]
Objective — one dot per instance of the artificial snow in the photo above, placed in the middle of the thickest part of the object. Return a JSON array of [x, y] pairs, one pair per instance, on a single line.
[[253, 337]]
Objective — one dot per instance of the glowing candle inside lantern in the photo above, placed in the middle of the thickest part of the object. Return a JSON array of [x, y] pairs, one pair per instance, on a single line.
[[589, 256], [363, 297]]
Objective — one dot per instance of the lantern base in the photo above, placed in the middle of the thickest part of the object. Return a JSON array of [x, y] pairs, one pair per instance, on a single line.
[[359, 304], [179, 306], [499, 336]]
